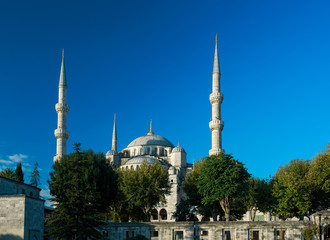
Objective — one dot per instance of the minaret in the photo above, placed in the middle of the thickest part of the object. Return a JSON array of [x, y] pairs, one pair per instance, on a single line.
[[216, 125], [114, 136], [62, 110]]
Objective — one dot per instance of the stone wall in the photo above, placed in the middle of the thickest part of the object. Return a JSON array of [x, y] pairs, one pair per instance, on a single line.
[[206, 230], [21, 211]]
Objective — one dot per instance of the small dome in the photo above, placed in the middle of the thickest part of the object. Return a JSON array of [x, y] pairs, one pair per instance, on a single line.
[[178, 149], [151, 140], [142, 159], [111, 152]]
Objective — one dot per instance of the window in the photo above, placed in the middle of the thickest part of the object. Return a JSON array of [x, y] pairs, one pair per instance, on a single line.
[[163, 214], [154, 214], [31, 194], [204, 233], [129, 234], [165, 154], [178, 235], [255, 235], [280, 235], [153, 233], [227, 235]]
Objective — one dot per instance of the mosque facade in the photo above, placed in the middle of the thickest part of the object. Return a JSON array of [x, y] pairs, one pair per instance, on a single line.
[[151, 147]]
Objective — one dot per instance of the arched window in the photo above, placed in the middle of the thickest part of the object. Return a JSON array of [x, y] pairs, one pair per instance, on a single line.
[[165, 154], [31, 194], [126, 167], [147, 150], [132, 167], [141, 151], [163, 214], [154, 214], [161, 151], [137, 167]]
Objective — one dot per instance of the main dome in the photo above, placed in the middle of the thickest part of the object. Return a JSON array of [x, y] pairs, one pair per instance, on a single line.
[[151, 140]]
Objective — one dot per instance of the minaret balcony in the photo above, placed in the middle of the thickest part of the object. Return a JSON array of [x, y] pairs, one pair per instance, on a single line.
[[216, 124], [62, 107], [216, 97], [61, 133]]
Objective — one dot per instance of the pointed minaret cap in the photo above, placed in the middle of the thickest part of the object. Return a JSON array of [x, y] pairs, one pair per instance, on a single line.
[[62, 82], [151, 132], [114, 135], [216, 65]]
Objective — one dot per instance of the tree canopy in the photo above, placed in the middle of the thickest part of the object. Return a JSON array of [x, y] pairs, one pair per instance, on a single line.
[[303, 186], [19, 175], [259, 196], [8, 173], [35, 176], [83, 186], [145, 187], [222, 179]]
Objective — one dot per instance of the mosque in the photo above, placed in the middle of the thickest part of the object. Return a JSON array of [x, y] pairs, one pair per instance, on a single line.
[[150, 148]]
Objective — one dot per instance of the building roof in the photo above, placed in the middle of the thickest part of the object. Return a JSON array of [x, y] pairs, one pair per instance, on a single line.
[[142, 159], [151, 140]]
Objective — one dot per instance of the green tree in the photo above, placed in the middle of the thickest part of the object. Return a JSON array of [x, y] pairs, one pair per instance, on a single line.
[[223, 179], [19, 175], [259, 196], [8, 173], [319, 180], [35, 177], [292, 189], [190, 187], [185, 212], [145, 187], [83, 186]]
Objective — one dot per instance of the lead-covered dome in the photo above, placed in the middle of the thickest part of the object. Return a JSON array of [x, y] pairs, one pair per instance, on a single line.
[[142, 159], [151, 140]]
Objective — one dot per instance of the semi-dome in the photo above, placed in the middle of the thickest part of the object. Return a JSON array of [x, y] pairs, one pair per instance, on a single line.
[[142, 159], [178, 149], [151, 140], [111, 152]]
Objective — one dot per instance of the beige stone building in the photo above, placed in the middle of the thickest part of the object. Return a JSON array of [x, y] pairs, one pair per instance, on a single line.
[[21, 211]]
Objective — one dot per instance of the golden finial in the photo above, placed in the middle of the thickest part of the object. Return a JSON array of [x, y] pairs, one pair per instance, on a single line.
[[150, 132], [62, 52], [178, 144]]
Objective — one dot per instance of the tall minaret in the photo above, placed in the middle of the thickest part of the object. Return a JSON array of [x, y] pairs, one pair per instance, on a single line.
[[114, 136], [216, 125], [62, 110]]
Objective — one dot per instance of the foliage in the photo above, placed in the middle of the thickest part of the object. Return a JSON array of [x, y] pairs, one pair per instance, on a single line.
[[259, 196], [222, 179], [185, 212], [310, 230], [319, 180], [291, 189], [83, 186], [35, 177], [145, 187], [19, 175], [8, 173], [190, 187]]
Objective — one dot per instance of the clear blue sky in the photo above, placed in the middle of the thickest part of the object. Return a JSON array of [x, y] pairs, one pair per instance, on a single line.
[[153, 59]]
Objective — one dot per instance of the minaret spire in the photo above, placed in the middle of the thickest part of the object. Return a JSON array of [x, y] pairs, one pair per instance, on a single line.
[[150, 132], [216, 124], [114, 136], [62, 109]]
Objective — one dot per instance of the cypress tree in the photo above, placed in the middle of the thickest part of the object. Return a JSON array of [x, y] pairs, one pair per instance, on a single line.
[[35, 177], [19, 175]]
